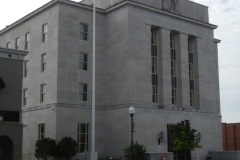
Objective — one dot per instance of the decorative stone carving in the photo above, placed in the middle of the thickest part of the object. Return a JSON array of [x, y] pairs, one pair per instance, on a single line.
[[170, 5]]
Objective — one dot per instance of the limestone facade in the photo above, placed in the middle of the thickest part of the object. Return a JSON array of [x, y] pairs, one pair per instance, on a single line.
[[123, 73]]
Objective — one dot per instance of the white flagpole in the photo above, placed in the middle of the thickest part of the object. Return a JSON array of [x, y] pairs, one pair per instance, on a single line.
[[93, 154]]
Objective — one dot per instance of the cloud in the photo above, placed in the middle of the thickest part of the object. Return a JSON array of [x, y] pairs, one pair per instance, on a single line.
[[13, 10]]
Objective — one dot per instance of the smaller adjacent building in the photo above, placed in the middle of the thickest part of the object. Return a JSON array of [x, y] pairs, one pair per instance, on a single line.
[[231, 136], [11, 71]]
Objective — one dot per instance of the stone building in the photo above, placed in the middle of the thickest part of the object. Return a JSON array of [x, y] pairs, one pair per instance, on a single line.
[[159, 56], [11, 64]]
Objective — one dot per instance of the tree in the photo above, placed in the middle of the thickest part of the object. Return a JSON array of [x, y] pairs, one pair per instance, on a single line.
[[138, 152], [67, 148], [45, 148], [184, 138]]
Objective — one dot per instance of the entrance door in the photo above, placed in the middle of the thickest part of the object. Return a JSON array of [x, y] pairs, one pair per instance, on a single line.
[[6, 148], [177, 155]]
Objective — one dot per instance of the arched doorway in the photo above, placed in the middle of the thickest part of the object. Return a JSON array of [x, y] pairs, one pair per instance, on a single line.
[[6, 148]]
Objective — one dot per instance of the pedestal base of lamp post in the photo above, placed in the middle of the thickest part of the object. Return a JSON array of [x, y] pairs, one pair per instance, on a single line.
[[94, 156]]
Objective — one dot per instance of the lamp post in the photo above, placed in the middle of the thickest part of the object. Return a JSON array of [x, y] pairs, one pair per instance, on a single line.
[[131, 112], [93, 152]]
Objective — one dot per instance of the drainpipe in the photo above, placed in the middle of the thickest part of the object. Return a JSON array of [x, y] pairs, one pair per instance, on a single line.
[[226, 136], [234, 137]]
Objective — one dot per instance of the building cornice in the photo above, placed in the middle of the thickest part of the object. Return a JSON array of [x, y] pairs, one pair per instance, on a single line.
[[45, 7], [12, 53], [104, 11], [170, 14]]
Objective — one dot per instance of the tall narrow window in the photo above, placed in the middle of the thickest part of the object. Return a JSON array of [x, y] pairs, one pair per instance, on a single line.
[[83, 61], [191, 71], [44, 32], [171, 137], [27, 41], [154, 65], [83, 31], [82, 137], [43, 62], [83, 92], [43, 92], [17, 43], [173, 68], [25, 96], [41, 131], [25, 65], [8, 45]]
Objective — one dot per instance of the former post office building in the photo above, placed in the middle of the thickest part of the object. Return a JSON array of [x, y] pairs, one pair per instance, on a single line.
[[159, 56]]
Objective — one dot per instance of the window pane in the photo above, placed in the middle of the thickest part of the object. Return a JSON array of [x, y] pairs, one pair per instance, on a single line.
[[82, 92], [82, 137], [44, 62], [82, 148], [83, 61], [84, 97], [83, 31], [83, 128], [44, 32]]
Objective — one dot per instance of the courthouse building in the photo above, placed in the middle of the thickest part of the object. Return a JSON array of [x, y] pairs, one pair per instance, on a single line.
[[159, 56]]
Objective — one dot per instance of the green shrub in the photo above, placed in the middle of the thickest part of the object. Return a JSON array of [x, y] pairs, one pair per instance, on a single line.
[[45, 148], [138, 152], [67, 148]]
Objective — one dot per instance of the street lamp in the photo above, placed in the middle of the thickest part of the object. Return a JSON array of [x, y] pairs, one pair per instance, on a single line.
[[131, 112]]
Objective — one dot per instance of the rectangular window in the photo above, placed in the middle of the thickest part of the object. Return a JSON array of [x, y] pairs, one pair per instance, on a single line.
[[44, 32], [25, 65], [82, 137], [27, 41], [173, 68], [41, 131], [83, 61], [43, 92], [83, 92], [154, 65], [83, 31], [43, 62], [191, 71], [25, 96], [8, 45], [17, 43], [170, 137]]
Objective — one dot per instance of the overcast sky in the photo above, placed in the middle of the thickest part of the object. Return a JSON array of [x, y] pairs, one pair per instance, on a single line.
[[224, 13]]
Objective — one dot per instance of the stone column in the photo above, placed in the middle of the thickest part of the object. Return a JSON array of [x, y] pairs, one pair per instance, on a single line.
[[164, 68], [183, 95], [197, 51]]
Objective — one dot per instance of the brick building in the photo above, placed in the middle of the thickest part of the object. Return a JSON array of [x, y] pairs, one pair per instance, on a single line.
[[231, 136]]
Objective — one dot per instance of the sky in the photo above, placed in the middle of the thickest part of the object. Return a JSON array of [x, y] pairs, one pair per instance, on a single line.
[[223, 13]]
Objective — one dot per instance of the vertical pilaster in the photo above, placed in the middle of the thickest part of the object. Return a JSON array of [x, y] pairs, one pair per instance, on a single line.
[[197, 52], [164, 68], [183, 98], [217, 76]]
